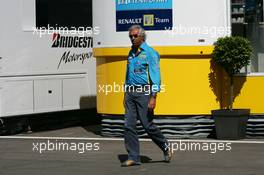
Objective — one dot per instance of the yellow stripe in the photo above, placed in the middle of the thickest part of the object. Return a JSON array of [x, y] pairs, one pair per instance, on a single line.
[[192, 85], [163, 51]]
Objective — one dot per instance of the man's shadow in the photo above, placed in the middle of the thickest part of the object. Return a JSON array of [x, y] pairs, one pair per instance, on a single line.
[[144, 159]]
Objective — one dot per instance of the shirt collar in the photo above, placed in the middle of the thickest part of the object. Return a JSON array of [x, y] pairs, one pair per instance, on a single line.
[[143, 46]]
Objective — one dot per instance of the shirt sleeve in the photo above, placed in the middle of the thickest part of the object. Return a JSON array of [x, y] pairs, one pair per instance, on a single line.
[[154, 70]]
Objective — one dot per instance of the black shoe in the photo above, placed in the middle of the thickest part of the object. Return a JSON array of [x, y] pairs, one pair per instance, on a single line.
[[167, 156], [129, 162]]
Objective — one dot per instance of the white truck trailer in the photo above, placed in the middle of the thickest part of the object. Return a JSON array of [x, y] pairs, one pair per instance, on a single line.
[[46, 61]]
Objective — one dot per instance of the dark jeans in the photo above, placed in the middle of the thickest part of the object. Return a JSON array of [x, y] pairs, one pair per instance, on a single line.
[[136, 107]]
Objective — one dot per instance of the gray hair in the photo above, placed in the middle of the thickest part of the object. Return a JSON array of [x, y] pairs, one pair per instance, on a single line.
[[142, 32]]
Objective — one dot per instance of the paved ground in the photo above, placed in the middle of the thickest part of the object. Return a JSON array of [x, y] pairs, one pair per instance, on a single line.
[[21, 156]]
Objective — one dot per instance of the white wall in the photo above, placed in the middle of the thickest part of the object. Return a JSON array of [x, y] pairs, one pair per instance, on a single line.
[[23, 51], [186, 13]]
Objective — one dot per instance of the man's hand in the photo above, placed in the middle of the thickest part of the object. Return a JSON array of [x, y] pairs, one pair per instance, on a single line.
[[152, 103]]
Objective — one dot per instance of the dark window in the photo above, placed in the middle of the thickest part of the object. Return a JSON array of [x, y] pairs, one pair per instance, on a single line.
[[64, 13], [247, 21]]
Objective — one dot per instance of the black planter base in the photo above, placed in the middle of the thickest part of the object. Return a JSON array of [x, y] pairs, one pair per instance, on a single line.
[[231, 125]]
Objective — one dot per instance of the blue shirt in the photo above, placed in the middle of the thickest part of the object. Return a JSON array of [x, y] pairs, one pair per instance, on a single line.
[[144, 68]]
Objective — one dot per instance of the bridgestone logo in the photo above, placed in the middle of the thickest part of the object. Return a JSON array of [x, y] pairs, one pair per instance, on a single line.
[[71, 41]]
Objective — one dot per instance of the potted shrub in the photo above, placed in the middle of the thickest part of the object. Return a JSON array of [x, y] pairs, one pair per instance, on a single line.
[[232, 54]]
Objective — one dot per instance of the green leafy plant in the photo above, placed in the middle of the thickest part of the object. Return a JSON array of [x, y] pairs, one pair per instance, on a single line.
[[232, 54]]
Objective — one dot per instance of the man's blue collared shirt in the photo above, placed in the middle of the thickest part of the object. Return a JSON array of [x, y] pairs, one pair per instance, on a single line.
[[144, 68]]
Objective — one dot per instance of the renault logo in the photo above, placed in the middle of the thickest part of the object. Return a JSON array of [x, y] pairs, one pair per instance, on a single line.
[[148, 20]]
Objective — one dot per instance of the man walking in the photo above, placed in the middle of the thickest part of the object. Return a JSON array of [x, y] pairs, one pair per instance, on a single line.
[[142, 85]]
